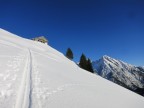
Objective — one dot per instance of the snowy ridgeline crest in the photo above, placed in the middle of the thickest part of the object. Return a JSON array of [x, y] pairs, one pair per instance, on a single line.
[[117, 71]]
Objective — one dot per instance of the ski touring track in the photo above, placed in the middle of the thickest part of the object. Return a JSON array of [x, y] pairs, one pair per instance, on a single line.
[[24, 95]]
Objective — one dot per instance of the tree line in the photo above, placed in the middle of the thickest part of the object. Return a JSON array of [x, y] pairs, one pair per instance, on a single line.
[[84, 62]]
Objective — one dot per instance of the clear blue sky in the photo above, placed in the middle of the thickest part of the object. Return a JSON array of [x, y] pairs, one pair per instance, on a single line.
[[92, 27]]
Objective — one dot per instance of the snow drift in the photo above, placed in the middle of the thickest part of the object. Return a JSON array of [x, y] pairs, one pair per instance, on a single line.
[[34, 75]]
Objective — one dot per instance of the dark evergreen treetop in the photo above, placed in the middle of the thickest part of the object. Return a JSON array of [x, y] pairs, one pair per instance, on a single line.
[[89, 66], [69, 54], [85, 63]]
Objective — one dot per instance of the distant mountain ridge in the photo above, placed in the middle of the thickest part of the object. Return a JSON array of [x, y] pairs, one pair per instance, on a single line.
[[124, 74]]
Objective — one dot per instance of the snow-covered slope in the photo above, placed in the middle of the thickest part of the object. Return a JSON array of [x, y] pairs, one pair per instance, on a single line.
[[120, 72], [34, 75]]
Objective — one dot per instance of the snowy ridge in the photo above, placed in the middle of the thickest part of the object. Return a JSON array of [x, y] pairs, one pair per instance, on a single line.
[[116, 70], [34, 75]]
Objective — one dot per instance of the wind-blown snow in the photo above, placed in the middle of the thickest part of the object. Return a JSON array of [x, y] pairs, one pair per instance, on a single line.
[[34, 75]]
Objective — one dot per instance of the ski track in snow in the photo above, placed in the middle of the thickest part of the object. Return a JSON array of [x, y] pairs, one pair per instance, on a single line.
[[24, 93]]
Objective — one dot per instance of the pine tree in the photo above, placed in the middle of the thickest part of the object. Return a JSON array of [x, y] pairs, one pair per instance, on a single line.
[[69, 54], [89, 66], [83, 62]]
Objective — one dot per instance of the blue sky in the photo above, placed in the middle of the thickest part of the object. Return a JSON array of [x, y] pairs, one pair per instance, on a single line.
[[93, 27]]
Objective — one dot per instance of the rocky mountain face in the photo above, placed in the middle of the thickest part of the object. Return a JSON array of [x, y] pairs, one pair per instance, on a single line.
[[121, 73]]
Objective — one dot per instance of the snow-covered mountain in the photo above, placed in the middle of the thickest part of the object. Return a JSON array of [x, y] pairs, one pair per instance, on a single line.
[[34, 75], [127, 75]]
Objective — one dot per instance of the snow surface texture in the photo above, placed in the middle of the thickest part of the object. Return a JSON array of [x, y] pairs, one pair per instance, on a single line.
[[120, 72], [34, 75]]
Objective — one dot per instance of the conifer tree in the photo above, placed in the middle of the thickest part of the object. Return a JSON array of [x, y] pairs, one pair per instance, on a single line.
[[83, 62], [69, 54], [89, 66]]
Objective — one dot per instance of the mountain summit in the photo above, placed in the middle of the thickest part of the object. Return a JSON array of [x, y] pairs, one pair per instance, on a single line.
[[34, 75], [122, 73]]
